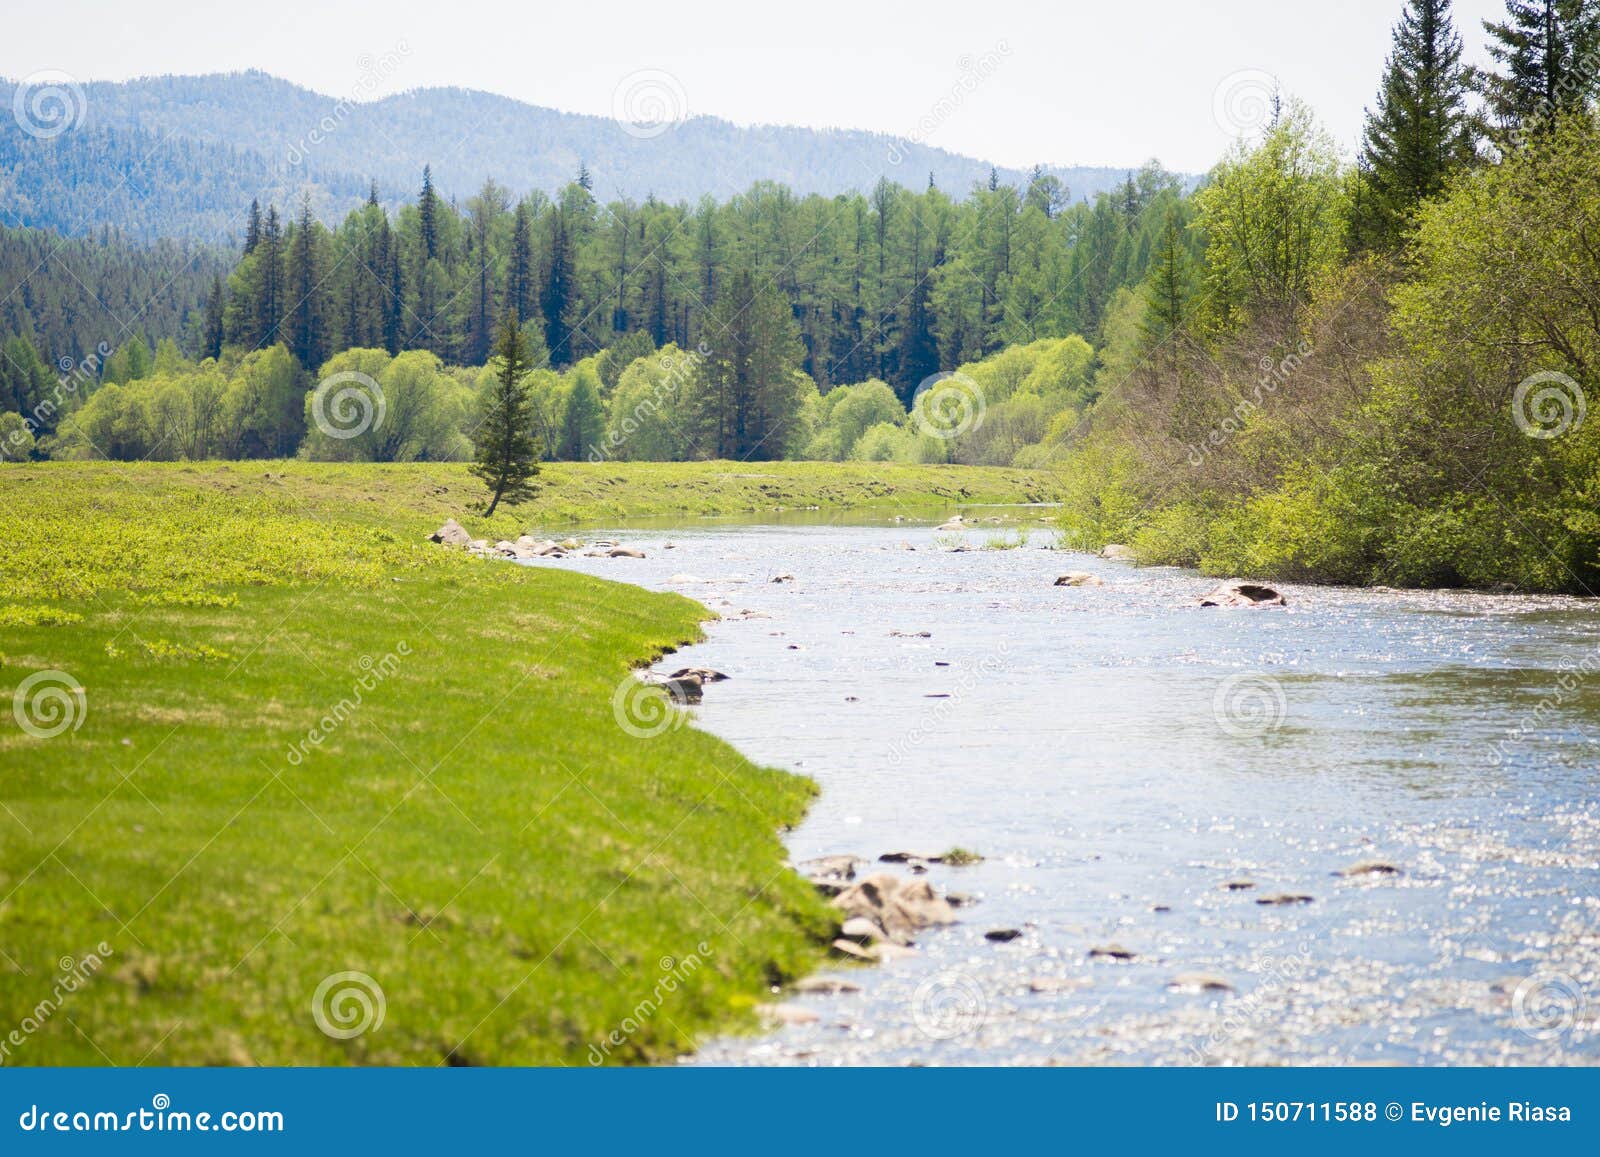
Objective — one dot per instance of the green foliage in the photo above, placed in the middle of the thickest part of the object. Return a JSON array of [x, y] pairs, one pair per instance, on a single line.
[[1420, 132], [507, 458], [1273, 217]]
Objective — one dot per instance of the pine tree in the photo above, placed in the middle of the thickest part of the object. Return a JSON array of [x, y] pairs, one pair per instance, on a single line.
[[252, 229], [556, 300], [428, 211], [1548, 52], [507, 458], [519, 273], [212, 337], [1420, 132], [306, 320], [269, 281]]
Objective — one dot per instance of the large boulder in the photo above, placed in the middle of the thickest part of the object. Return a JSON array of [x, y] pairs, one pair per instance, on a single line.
[[624, 552], [1118, 553], [1242, 595], [452, 533], [1080, 578], [900, 907]]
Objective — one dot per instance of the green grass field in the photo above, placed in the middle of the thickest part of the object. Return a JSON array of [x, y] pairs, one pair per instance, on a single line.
[[309, 744]]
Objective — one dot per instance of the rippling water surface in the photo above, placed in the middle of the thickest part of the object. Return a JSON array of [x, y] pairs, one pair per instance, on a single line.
[[1119, 757]]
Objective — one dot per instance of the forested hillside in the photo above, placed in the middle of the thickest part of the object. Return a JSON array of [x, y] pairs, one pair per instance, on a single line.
[[195, 149]]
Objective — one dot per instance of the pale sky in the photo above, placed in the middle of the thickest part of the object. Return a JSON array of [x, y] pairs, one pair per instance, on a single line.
[[1059, 81]]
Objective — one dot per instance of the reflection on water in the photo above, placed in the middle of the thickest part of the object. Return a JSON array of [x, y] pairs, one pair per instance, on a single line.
[[1119, 757]]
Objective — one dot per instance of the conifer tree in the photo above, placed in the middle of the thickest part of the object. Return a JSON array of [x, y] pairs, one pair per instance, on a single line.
[[428, 211], [1548, 54], [1420, 131], [507, 458]]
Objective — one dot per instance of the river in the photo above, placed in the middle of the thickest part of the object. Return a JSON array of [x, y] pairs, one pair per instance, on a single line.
[[1139, 771]]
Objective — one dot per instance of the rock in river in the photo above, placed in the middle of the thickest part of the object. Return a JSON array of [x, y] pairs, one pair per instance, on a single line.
[[900, 907], [1111, 952], [1080, 578], [1369, 868], [1116, 552], [1242, 595]]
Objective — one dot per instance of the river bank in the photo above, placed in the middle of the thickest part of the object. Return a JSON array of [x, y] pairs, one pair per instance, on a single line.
[[1359, 828], [309, 789]]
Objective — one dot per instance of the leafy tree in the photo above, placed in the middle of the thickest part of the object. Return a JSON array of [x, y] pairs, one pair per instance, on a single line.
[[507, 459], [583, 420]]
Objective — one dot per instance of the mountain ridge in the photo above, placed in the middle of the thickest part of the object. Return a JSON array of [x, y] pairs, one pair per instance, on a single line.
[[287, 138]]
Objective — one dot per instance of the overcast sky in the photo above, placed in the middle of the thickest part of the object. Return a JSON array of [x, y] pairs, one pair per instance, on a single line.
[[1060, 81]]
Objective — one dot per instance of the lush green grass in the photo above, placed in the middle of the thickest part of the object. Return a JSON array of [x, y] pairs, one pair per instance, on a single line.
[[474, 830]]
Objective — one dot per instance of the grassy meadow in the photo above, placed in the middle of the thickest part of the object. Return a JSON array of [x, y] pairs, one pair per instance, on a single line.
[[309, 745]]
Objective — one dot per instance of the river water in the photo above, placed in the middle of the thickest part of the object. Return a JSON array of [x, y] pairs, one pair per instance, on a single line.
[[1119, 757]]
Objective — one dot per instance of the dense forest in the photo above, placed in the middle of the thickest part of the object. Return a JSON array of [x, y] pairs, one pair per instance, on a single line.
[[1304, 367], [181, 156]]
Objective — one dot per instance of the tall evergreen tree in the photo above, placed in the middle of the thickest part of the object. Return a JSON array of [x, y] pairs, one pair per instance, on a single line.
[[556, 300], [1420, 131], [252, 228], [269, 281], [428, 211], [507, 458], [306, 320], [1548, 54], [519, 270], [212, 336]]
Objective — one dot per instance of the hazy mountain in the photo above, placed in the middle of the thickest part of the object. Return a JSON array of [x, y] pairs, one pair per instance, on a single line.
[[182, 155]]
